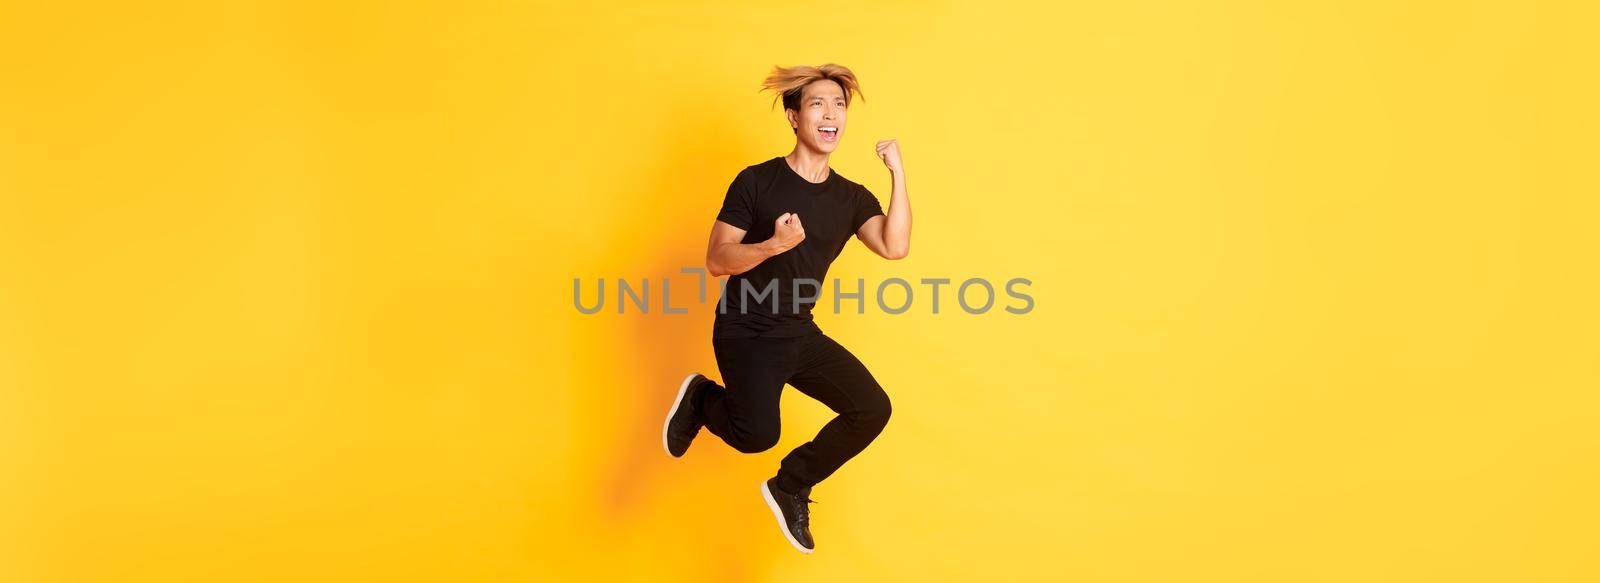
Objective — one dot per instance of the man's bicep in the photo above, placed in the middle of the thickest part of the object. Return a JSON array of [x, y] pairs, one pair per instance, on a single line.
[[721, 235], [871, 234], [722, 232]]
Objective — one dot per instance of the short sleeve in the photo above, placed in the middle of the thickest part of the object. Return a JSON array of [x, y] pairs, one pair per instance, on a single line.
[[866, 208], [738, 207]]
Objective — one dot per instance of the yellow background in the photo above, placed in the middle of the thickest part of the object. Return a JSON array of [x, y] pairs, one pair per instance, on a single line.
[[286, 291]]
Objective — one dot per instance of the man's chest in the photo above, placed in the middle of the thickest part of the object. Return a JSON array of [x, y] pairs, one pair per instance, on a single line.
[[824, 215]]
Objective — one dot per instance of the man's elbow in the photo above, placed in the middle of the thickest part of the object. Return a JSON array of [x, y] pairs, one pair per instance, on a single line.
[[718, 268], [896, 254]]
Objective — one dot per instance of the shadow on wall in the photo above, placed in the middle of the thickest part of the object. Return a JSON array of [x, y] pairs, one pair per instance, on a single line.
[[694, 162]]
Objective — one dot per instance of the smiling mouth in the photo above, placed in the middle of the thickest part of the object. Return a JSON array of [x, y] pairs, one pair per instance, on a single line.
[[829, 133]]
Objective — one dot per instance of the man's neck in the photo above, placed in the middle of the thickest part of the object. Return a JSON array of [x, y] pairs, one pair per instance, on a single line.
[[809, 164]]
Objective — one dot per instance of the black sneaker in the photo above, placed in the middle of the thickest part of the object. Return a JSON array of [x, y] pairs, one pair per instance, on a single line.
[[683, 421], [793, 513]]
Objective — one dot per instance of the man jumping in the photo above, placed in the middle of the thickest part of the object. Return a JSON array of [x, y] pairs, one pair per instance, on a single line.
[[764, 336]]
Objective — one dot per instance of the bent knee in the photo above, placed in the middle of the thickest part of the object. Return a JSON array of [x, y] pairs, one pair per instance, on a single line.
[[875, 412], [757, 442]]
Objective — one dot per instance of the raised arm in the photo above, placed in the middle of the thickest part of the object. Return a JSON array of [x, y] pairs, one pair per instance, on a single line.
[[890, 236], [725, 255]]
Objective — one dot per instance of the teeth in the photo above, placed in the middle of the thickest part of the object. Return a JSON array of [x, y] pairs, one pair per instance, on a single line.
[[829, 129]]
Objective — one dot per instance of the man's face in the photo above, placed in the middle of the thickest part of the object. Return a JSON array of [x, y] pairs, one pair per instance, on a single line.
[[820, 121]]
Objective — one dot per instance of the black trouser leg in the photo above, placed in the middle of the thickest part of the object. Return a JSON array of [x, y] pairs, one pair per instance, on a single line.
[[745, 413], [830, 374]]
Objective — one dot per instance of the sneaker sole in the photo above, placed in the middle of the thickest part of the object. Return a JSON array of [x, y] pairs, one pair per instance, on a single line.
[[683, 388], [766, 494]]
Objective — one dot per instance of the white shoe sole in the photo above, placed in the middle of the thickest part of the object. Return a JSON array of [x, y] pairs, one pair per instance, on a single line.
[[772, 503], [665, 425]]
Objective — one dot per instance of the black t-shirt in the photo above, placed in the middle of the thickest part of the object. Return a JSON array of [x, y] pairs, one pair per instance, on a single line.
[[830, 211]]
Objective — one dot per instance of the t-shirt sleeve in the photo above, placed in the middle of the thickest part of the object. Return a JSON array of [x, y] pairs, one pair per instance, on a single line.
[[866, 208], [738, 207]]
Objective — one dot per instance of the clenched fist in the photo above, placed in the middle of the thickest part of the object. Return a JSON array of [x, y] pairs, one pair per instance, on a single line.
[[786, 233], [889, 152]]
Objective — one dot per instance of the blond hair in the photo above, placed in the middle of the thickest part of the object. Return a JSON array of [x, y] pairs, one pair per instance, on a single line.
[[789, 82]]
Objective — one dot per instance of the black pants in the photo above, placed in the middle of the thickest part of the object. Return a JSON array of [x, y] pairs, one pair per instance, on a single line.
[[745, 413]]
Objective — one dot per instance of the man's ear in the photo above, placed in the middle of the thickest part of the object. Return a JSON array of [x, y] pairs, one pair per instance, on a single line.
[[794, 119]]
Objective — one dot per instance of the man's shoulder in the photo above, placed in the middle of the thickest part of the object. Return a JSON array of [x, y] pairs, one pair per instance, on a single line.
[[847, 186], [764, 174], [758, 177], [846, 182]]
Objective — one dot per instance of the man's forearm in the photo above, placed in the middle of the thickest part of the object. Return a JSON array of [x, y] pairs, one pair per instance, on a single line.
[[737, 258], [897, 228]]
